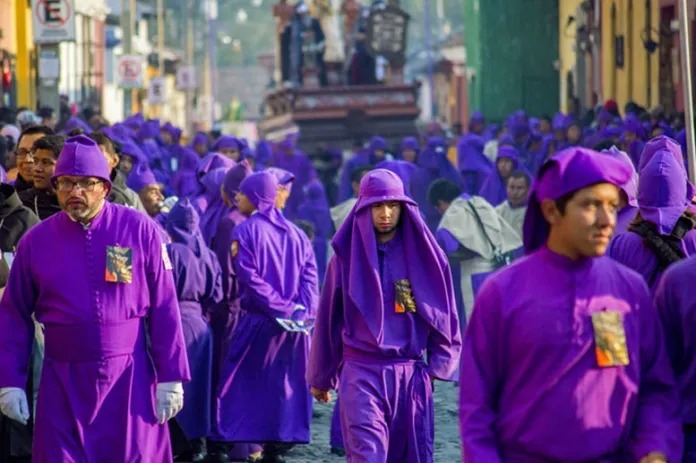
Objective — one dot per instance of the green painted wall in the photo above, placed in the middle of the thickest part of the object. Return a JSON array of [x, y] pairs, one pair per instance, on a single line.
[[512, 45]]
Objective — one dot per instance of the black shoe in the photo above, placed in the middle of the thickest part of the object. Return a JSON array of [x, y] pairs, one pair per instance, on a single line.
[[338, 451]]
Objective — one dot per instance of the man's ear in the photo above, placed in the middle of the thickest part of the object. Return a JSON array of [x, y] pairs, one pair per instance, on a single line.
[[550, 211]]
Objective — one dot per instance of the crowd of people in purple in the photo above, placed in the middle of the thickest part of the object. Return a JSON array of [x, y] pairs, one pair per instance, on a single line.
[[240, 282]]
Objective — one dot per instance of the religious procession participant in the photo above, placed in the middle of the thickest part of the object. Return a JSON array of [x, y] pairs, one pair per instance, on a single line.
[[387, 303], [107, 386], [41, 198], [198, 282], [263, 393], [564, 357]]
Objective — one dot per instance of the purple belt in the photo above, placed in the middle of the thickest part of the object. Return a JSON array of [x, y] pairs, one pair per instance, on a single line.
[[351, 354], [91, 342]]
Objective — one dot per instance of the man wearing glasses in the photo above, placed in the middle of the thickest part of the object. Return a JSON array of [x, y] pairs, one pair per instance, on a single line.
[[23, 161], [92, 274]]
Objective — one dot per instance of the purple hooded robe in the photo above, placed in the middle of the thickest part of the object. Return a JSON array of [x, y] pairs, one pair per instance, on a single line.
[[377, 352], [102, 361], [199, 286], [494, 188], [662, 198], [530, 388], [315, 210], [275, 270], [626, 214]]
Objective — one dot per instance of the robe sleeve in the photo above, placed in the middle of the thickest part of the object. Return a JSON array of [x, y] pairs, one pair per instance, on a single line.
[[16, 324], [309, 283], [260, 293], [657, 426], [444, 349], [326, 352], [669, 303], [214, 291], [167, 346], [480, 378]]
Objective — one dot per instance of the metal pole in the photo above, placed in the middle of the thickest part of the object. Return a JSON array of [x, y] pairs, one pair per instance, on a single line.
[[189, 62], [429, 58], [132, 14], [685, 46], [160, 46]]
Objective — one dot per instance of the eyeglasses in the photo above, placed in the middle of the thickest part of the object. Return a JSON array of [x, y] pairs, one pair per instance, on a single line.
[[23, 153], [66, 186]]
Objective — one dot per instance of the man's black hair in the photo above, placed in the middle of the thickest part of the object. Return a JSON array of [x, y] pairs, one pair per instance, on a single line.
[[46, 112], [35, 129], [604, 145], [100, 138], [443, 190], [358, 173], [562, 202], [521, 174], [75, 132], [53, 143]]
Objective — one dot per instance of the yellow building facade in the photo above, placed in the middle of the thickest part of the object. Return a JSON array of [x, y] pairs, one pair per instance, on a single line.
[[16, 38], [623, 70], [637, 80]]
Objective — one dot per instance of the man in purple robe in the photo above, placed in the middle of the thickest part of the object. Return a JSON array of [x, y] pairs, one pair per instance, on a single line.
[[409, 149], [628, 204], [315, 210], [387, 303], [110, 381], [229, 146], [184, 182], [663, 231], [263, 393], [285, 182], [494, 188], [200, 143], [677, 308], [198, 281], [295, 161], [570, 366]]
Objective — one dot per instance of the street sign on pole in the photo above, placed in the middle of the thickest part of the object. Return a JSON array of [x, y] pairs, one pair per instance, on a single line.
[[186, 78], [131, 71], [53, 21], [157, 91]]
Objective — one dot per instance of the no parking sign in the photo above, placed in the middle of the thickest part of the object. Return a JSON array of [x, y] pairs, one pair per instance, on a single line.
[[53, 21], [130, 71]]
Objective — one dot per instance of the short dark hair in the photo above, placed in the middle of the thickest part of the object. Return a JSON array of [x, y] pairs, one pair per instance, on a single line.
[[53, 143], [75, 132], [100, 138], [562, 202], [443, 190], [519, 173], [46, 112], [33, 130], [604, 145], [358, 173]]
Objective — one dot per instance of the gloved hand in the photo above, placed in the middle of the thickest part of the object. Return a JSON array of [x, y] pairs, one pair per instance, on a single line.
[[170, 400], [13, 404]]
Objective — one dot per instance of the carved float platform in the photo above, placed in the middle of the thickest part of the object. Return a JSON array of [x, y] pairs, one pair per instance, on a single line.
[[337, 116]]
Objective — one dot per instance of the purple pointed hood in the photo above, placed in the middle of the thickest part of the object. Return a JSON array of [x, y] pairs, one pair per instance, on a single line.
[[76, 123], [568, 171], [183, 226], [662, 143], [283, 177], [663, 193], [81, 157], [199, 139], [213, 161], [410, 143], [315, 209], [234, 178], [263, 154], [631, 187], [129, 148], [261, 189], [149, 129], [140, 178], [227, 142], [404, 169], [355, 245]]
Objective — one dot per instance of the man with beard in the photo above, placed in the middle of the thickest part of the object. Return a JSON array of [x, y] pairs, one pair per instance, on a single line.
[[42, 197], [110, 381]]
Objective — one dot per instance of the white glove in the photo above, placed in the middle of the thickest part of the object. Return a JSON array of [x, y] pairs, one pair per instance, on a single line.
[[13, 404], [170, 400]]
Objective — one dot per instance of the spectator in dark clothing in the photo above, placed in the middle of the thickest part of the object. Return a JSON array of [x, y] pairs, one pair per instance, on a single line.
[[41, 198]]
